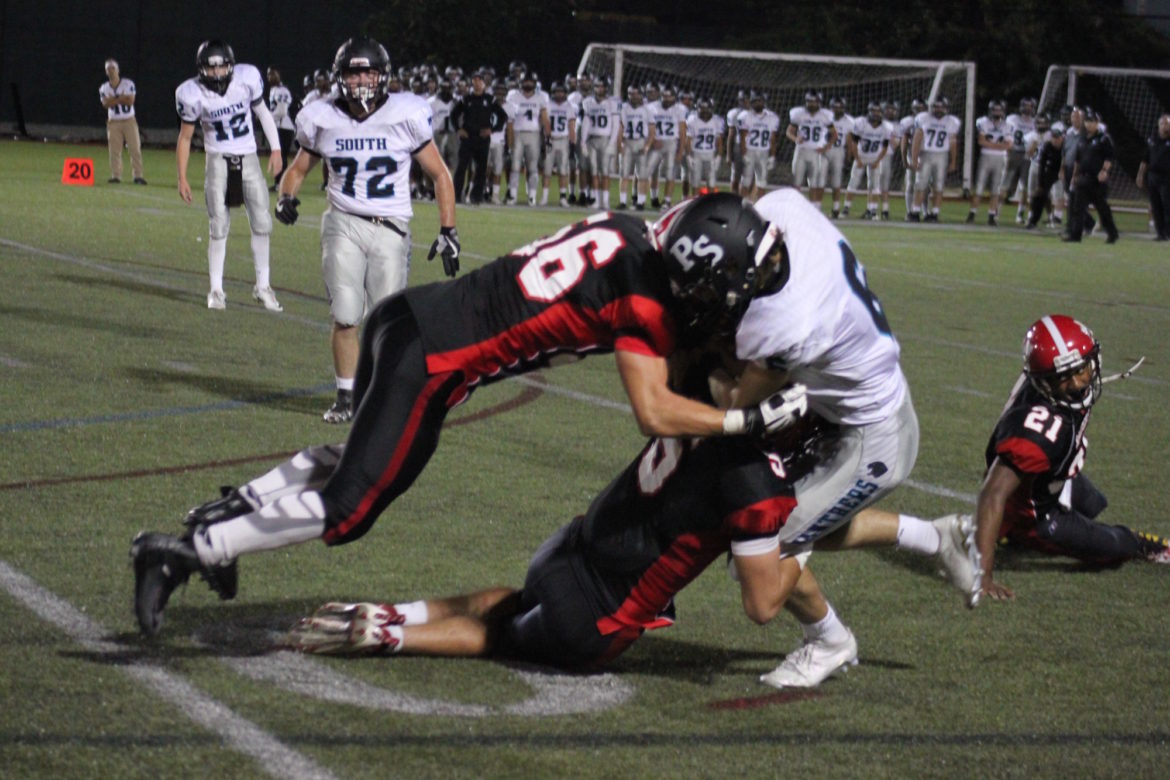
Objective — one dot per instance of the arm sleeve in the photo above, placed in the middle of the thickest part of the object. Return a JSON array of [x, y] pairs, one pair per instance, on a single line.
[[267, 124]]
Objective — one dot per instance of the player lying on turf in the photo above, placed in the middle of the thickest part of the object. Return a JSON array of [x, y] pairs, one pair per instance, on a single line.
[[1034, 493], [610, 283], [600, 581]]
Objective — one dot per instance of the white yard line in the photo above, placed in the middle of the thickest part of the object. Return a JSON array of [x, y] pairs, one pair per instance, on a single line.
[[271, 755]]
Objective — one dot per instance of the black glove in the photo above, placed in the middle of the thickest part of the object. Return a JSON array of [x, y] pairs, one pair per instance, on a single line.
[[447, 245], [286, 209], [777, 411]]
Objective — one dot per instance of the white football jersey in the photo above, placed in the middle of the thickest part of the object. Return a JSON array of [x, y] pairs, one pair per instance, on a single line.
[[280, 103], [760, 128], [226, 120], [704, 136], [441, 113], [1035, 141], [732, 121], [369, 161], [844, 125], [1019, 126], [824, 326], [601, 116], [870, 140], [668, 122], [559, 115], [996, 132], [118, 111], [528, 108], [812, 130], [636, 122], [938, 132]]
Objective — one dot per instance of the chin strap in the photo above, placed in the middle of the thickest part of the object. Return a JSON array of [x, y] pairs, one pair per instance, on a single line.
[[1124, 374]]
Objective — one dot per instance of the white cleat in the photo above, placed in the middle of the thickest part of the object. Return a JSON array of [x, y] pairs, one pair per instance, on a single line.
[[812, 663], [959, 556], [265, 296], [216, 300]]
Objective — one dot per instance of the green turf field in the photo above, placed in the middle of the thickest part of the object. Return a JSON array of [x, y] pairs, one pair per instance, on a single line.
[[125, 402]]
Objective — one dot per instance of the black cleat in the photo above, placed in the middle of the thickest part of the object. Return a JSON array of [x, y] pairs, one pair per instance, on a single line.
[[342, 409], [970, 217], [992, 220], [655, 203], [912, 216], [930, 218], [161, 564]]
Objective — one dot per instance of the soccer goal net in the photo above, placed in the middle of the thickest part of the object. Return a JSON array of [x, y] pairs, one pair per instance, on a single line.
[[720, 75], [1129, 102]]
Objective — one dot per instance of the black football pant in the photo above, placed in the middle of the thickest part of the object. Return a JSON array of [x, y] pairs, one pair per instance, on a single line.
[[1042, 197], [399, 411], [473, 149], [1075, 532], [1160, 203], [1090, 192]]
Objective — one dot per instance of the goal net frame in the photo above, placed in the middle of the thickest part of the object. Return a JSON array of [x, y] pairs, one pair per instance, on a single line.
[[1129, 123], [905, 79]]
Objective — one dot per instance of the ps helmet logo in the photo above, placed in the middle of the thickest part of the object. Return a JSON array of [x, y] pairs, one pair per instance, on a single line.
[[687, 251]]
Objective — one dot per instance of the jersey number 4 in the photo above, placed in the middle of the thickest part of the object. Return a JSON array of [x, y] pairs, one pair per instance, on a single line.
[[557, 265]]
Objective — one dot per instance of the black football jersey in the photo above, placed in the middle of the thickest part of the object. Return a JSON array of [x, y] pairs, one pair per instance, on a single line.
[[675, 509], [597, 285], [1041, 441]]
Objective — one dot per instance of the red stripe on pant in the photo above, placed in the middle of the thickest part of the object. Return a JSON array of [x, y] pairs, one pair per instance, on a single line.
[[394, 468]]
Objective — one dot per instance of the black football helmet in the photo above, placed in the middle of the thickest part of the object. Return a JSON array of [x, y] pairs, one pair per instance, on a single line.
[[362, 54], [212, 54], [719, 253]]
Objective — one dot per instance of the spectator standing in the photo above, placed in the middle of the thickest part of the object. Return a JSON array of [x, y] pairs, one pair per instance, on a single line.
[[472, 119], [1154, 175], [118, 96], [1095, 158]]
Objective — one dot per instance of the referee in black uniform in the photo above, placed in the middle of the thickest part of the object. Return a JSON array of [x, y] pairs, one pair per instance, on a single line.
[[1154, 174], [473, 117], [1095, 158]]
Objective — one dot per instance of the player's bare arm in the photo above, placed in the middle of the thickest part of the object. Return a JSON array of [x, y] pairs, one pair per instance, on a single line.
[[433, 166], [998, 486], [290, 183], [182, 156], [658, 410]]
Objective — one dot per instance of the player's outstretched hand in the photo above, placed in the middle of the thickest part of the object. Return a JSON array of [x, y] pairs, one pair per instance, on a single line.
[[447, 246], [777, 411], [286, 209]]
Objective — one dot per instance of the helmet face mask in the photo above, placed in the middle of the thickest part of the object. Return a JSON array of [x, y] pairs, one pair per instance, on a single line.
[[215, 61], [361, 71], [1057, 351], [719, 254]]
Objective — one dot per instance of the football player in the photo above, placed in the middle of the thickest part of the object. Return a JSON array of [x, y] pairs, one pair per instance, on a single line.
[[634, 144], [605, 578], [1015, 176], [499, 142], [811, 129], [907, 125], [934, 153], [758, 129], [705, 143], [368, 139], [610, 283], [666, 153], [826, 330], [993, 137], [529, 126], [446, 139], [601, 115], [869, 145], [733, 148], [280, 103], [1035, 493], [578, 183], [835, 158], [221, 100], [562, 122]]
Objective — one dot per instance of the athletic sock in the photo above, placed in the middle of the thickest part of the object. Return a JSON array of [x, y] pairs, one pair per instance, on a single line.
[[917, 535], [216, 255], [290, 520], [414, 613], [828, 629], [260, 260], [307, 470]]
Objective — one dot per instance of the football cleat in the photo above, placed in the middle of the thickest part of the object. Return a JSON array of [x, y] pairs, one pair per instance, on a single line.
[[913, 216], [970, 217], [140, 181], [930, 218], [622, 206], [216, 300], [342, 409], [1155, 549], [992, 220], [161, 564], [958, 556], [510, 200], [265, 296], [564, 203], [812, 663], [639, 207], [655, 203], [338, 636], [885, 216]]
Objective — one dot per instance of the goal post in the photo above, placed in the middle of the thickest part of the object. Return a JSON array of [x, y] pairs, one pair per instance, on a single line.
[[719, 74], [1129, 102]]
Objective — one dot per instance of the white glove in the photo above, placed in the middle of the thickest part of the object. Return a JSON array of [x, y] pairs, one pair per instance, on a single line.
[[778, 411]]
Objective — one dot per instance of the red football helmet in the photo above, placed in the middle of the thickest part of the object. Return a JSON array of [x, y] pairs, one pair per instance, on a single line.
[[1057, 347]]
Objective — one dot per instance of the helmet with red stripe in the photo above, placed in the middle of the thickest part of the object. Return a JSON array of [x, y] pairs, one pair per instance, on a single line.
[[1056, 349]]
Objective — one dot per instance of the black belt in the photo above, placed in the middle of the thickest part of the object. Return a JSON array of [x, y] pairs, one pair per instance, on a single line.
[[383, 221]]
